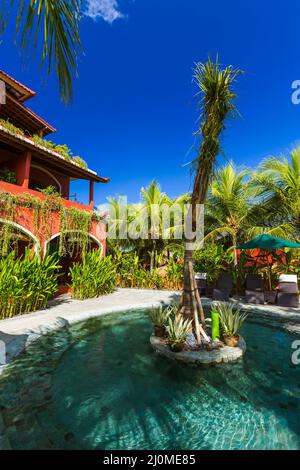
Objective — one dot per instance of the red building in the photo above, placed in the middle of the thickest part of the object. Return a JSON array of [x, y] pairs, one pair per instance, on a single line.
[[31, 169]]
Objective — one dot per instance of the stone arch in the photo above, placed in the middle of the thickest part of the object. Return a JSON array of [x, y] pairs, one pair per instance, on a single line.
[[26, 232], [47, 172], [56, 235]]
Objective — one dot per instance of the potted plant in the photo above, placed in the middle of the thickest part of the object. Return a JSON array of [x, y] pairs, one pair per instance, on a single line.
[[231, 320], [159, 317], [177, 331]]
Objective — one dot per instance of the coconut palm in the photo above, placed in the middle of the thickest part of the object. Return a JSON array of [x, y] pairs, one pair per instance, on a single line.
[[152, 201], [217, 104], [56, 24], [278, 185], [232, 210]]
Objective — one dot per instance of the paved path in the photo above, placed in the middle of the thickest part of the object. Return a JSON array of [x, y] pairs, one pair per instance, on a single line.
[[19, 331]]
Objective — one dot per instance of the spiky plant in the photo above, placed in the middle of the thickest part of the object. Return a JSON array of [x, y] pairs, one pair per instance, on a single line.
[[231, 318], [159, 315], [177, 330]]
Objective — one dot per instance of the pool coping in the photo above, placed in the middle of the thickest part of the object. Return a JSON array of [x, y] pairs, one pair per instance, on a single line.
[[18, 332]]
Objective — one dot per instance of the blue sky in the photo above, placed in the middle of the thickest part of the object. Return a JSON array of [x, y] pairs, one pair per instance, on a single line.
[[134, 114]]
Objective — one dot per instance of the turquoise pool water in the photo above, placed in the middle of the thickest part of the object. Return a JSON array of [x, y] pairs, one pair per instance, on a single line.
[[98, 385]]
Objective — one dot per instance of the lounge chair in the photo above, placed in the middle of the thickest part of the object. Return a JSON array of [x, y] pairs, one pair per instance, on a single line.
[[254, 289], [287, 291], [223, 288]]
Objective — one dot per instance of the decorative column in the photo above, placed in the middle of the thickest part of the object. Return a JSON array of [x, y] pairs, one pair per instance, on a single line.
[[23, 170], [91, 194]]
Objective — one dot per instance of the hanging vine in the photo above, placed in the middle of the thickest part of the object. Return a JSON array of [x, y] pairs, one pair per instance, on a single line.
[[75, 224], [8, 204]]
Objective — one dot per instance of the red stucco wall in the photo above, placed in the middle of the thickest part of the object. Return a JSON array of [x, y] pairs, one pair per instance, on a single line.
[[25, 216]]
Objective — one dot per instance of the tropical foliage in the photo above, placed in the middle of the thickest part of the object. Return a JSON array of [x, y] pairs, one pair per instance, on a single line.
[[232, 210], [278, 184], [62, 149], [212, 259], [26, 284], [93, 276], [8, 176], [53, 24], [231, 318], [177, 330], [238, 208], [159, 315]]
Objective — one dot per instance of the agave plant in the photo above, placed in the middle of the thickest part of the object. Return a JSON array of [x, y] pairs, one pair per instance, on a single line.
[[159, 316], [231, 318], [177, 330]]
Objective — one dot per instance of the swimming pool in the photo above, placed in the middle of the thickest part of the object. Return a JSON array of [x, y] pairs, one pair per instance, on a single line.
[[99, 385]]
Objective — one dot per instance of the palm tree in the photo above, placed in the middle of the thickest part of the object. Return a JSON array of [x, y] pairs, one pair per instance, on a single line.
[[152, 201], [217, 98], [56, 23], [232, 210], [278, 185]]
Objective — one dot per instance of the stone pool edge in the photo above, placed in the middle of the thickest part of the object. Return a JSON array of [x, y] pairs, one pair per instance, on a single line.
[[18, 332]]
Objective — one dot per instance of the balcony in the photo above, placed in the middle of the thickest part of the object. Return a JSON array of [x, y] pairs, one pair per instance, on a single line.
[[19, 191]]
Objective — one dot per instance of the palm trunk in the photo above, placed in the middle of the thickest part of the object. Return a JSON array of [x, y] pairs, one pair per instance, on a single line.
[[191, 305], [234, 250], [152, 260], [217, 103]]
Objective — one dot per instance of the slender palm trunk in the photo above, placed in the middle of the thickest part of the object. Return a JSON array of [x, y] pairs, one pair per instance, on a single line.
[[217, 97], [234, 241], [152, 260]]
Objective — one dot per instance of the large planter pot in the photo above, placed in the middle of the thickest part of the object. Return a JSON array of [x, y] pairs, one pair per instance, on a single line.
[[177, 347], [232, 341], [160, 331]]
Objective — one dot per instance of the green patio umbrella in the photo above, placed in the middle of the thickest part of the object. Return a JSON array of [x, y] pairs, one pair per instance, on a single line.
[[269, 243]]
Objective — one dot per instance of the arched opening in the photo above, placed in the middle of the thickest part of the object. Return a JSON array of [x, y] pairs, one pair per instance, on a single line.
[[14, 237], [41, 178], [72, 254]]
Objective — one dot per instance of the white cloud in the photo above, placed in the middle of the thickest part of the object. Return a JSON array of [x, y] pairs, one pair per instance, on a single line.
[[108, 10]]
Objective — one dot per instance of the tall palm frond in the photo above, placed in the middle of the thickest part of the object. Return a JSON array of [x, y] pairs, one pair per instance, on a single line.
[[278, 186], [56, 24]]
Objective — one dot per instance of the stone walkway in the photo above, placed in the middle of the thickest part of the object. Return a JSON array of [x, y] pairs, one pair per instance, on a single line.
[[19, 331]]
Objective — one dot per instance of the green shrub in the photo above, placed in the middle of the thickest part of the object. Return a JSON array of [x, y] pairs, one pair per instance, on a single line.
[[8, 176], [94, 276], [11, 128], [80, 162], [212, 259], [26, 284]]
